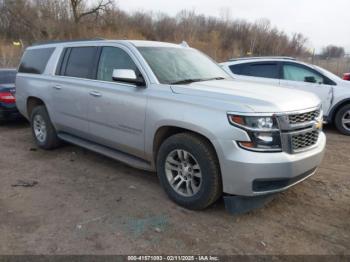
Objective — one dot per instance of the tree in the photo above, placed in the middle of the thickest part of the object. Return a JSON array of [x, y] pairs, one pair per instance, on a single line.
[[80, 10], [332, 51]]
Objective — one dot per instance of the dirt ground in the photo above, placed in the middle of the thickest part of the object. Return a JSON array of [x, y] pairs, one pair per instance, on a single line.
[[85, 203]]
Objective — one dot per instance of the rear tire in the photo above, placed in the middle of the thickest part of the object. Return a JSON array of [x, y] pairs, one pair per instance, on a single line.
[[342, 120], [189, 171], [43, 131]]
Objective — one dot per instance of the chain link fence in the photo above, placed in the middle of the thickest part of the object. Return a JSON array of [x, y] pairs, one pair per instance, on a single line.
[[338, 66]]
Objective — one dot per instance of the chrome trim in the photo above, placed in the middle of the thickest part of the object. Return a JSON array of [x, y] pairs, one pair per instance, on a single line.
[[274, 113], [285, 128], [286, 140]]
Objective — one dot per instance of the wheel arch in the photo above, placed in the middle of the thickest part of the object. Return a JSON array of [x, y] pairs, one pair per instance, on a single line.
[[164, 132], [33, 102], [335, 109]]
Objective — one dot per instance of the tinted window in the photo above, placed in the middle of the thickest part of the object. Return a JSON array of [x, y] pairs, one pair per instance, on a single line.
[[81, 62], [7, 76], [266, 70], [301, 73], [113, 58], [236, 69], [34, 61]]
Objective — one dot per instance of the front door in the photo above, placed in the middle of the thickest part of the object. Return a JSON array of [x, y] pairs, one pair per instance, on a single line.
[[117, 110], [298, 76]]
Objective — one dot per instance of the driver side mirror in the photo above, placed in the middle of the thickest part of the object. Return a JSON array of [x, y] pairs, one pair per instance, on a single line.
[[127, 76], [310, 79]]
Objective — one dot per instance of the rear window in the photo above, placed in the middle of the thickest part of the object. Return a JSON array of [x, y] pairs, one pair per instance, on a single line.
[[34, 61], [81, 62], [7, 76], [266, 70]]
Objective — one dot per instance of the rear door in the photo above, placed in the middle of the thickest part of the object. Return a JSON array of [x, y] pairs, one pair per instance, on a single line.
[[117, 110], [301, 77], [70, 89], [261, 72]]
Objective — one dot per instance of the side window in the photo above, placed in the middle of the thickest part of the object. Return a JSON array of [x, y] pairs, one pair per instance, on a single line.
[[34, 60], [236, 69], [265, 70], [301, 74], [81, 62], [114, 58]]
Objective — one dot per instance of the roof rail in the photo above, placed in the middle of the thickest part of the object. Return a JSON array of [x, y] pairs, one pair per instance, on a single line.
[[66, 41], [262, 57]]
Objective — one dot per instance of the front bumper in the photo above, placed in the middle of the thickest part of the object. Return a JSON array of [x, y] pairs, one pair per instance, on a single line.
[[247, 173], [9, 112]]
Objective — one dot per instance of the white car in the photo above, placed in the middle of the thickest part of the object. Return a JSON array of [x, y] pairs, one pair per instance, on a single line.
[[287, 72]]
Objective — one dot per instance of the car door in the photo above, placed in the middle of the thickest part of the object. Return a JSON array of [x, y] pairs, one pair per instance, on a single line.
[[299, 76], [117, 110], [261, 72], [70, 89]]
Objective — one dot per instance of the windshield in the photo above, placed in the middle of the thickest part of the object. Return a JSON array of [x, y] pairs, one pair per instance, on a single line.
[[173, 65], [7, 76]]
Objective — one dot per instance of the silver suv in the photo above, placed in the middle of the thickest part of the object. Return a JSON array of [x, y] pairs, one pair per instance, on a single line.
[[169, 108]]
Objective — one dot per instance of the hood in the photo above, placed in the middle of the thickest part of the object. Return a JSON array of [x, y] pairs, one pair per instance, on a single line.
[[259, 98]]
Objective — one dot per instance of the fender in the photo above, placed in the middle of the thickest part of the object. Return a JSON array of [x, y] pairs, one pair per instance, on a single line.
[[335, 108]]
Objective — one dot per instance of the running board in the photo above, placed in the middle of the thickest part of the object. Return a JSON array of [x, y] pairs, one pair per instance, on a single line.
[[108, 152]]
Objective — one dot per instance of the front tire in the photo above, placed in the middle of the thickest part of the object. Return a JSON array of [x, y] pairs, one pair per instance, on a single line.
[[189, 171], [342, 120], [43, 131]]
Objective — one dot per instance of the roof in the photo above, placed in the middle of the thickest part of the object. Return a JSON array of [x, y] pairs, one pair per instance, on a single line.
[[243, 60], [137, 43], [262, 57], [141, 43]]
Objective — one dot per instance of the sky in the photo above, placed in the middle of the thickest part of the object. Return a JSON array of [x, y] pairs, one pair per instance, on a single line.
[[323, 22]]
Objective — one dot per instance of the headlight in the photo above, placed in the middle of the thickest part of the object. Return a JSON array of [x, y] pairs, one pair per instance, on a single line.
[[262, 130], [254, 122]]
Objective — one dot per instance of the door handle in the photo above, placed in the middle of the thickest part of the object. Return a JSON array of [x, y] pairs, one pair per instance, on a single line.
[[95, 93], [58, 87]]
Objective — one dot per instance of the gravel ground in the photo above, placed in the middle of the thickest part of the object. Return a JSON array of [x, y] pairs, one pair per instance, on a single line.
[[85, 203]]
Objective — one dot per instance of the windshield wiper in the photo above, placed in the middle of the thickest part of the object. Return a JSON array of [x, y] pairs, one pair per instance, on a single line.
[[186, 81], [192, 80], [215, 78]]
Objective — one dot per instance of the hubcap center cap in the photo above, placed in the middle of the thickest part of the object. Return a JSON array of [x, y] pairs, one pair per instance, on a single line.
[[186, 170]]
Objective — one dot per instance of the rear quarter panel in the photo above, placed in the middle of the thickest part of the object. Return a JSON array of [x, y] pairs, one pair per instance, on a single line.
[[37, 85]]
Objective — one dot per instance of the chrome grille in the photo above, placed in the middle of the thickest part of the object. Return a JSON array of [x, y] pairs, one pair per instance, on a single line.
[[303, 117], [304, 140]]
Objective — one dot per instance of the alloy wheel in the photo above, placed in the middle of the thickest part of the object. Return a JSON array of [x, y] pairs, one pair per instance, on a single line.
[[183, 172], [39, 127], [346, 120]]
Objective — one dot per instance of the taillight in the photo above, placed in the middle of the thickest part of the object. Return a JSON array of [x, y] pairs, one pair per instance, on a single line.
[[7, 97], [346, 77]]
